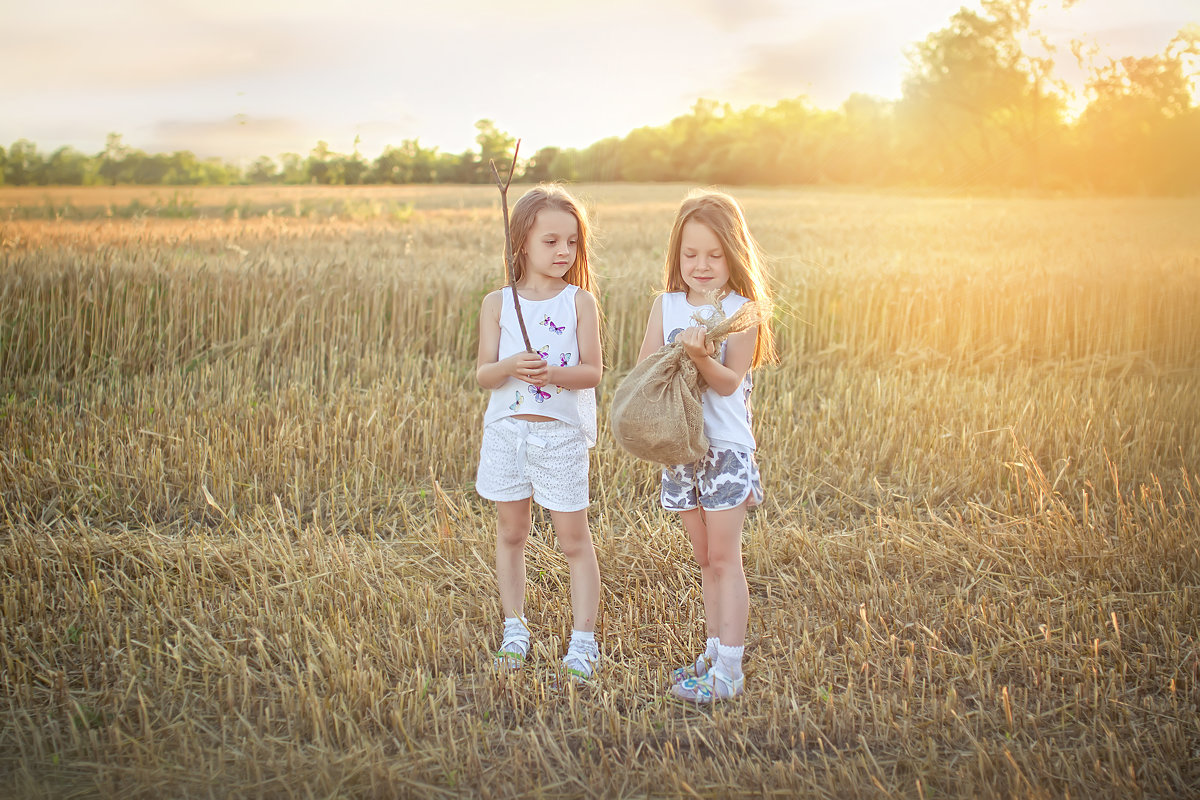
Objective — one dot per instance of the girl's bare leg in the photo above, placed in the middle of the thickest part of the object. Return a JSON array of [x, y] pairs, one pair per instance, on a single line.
[[512, 523], [575, 539], [731, 596], [697, 531]]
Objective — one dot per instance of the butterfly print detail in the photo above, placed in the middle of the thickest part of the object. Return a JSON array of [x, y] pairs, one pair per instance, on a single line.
[[549, 323], [538, 394], [563, 359], [516, 405], [544, 351]]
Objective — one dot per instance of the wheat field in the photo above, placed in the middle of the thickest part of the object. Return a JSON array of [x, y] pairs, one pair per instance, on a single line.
[[242, 556]]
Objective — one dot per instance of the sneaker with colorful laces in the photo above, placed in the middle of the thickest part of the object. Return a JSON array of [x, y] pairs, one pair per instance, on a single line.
[[581, 662], [696, 670], [708, 687]]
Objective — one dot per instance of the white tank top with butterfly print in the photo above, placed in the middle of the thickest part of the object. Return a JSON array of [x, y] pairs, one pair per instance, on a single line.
[[552, 333], [726, 417]]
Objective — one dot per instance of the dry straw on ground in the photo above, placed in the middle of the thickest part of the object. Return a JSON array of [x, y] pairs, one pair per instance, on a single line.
[[241, 555]]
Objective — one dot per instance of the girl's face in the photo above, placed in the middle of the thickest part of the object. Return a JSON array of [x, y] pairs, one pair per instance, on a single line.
[[702, 263], [551, 244]]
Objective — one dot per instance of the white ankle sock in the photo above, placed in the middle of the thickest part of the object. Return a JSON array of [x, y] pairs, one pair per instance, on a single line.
[[584, 639], [710, 649], [515, 628], [729, 660]]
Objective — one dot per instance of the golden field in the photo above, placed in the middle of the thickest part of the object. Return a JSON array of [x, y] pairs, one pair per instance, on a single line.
[[242, 556]]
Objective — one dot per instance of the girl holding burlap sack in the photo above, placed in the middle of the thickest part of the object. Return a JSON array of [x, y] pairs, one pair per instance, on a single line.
[[713, 268]]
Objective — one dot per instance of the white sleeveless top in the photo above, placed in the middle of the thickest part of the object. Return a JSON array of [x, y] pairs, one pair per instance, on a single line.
[[551, 325], [726, 419]]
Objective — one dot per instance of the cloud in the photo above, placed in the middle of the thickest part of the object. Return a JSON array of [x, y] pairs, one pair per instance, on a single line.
[[835, 59], [387, 128], [235, 137], [243, 136], [736, 13], [154, 51]]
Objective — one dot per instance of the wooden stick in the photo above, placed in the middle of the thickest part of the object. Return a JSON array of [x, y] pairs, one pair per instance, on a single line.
[[509, 269]]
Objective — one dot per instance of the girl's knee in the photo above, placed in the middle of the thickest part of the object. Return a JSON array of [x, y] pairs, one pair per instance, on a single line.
[[724, 564], [512, 534], [575, 542], [573, 533], [513, 523]]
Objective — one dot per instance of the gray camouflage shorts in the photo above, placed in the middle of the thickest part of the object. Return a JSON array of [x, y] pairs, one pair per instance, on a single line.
[[724, 479]]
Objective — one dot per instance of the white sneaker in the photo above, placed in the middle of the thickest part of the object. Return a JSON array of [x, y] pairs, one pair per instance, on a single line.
[[581, 661], [696, 670], [513, 648], [709, 687], [511, 654]]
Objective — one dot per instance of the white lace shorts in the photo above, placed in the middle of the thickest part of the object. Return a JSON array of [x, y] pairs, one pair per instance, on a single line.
[[545, 460], [724, 479]]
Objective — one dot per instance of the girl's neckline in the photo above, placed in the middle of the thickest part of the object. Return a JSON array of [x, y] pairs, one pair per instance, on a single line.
[[721, 299], [542, 299]]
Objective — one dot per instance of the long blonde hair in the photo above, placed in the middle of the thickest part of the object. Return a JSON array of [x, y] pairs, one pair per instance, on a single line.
[[524, 215], [721, 214]]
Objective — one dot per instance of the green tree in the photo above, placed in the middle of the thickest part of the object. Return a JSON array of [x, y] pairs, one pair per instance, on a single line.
[[354, 167], [646, 155], [975, 105], [408, 163], [24, 164], [325, 166], [215, 172], [565, 165], [538, 168], [600, 161], [147, 170], [1140, 128], [422, 161], [394, 165], [694, 137], [865, 151], [803, 140], [69, 167], [112, 160], [294, 168], [182, 168], [263, 170], [494, 145], [458, 167]]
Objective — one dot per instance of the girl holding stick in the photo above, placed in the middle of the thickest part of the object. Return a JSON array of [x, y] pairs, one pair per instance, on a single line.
[[541, 415]]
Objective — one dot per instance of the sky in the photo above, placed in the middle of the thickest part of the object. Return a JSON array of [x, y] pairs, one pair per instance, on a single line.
[[244, 78]]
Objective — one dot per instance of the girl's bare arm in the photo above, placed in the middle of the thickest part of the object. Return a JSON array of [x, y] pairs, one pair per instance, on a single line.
[[653, 339], [490, 370], [724, 379]]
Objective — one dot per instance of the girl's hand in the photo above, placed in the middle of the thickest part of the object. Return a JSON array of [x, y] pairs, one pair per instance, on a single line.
[[694, 344], [529, 367]]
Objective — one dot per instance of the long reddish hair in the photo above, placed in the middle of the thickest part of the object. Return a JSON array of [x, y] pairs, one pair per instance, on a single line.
[[722, 214], [523, 217]]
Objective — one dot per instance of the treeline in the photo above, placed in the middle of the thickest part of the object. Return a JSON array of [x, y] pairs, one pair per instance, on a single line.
[[980, 107], [23, 165]]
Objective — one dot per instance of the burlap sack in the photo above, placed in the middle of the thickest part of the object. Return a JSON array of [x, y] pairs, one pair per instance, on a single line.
[[656, 411]]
